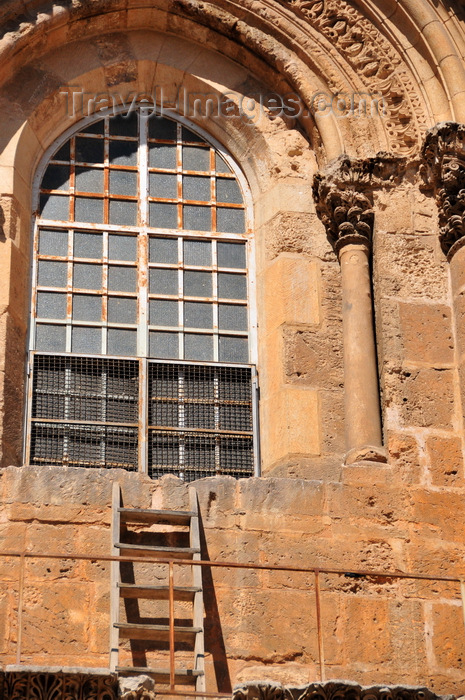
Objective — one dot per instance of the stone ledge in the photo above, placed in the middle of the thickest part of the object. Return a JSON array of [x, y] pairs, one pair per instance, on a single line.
[[332, 690]]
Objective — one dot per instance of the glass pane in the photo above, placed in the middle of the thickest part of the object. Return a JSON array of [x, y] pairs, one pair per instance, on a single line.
[[53, 242], [51, 305], [163, 250], [188, 135], [122, 279], [163, 185], [122, 310], [122, 247], [197, 252], [62, 153], [196, 188], [163, 281], [89, 180], [54, 207], [231, 255], [232, 349], [228, 191], [87, 307], [86, 340], [88, 210], [231, 286], [52, 274], [162, 155], [123, 182], [123, 152], [232, 318], [164, 345], [220, 165], [197, 218], [89, 150], [198, 347], [124, 125], [197, 284], [95, 128], [163, 215], [87, 245], [196, 158], [161, 128], [198, 315], [122, 342], [56, 178], [123, 213], [163, 313], [87, 276], [230, 220], [50, 338]]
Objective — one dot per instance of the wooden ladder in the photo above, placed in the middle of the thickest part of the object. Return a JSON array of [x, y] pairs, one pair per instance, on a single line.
[[193, 636]]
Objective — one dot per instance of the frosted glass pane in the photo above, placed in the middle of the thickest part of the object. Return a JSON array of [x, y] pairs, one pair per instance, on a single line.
[[197, 284], [163, 250], [196, 188], [232, 349], [87, 245], [123, 182], [231, 286], [231, 255], [163, 281], [196, 158], [50, 338], [230, 220], [50, 305], [188, 135], [123, 213], [89, 150], [164, 345], [56, 178], [232, 318], [122, 247], [124, 125], [87, 276], [122, 342], [86, 340], [198, 347], [228, 191], [161, 128], [88, 210], [163, 313], [89, 180], [220, 165], [123, 152], [162, 155], [52, 274], [197, 252], [163, 215], [87, 307], [163, 185], [122, 279], [54, 207], [122, 310], [197, 218], [53, 242], [198, 315]]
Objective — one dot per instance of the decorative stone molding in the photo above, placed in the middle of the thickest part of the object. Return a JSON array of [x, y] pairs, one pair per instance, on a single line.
[[443, 168], [332, 690], [50, 685]]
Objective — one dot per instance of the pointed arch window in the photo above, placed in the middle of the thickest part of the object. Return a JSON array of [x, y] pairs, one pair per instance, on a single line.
[[142, 323]]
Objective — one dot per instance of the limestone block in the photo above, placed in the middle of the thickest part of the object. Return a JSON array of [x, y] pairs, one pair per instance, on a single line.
[[367, 623], [427, 333], [292, 292], [448, 646], [445, 460], [404, 455], [425, 397]]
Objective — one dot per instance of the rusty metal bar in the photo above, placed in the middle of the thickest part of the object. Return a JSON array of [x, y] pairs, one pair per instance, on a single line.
[[20, 609], [321, 653], [171, 633]]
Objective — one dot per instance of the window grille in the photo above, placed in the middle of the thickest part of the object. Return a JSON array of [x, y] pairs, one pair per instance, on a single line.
[[142, 249]]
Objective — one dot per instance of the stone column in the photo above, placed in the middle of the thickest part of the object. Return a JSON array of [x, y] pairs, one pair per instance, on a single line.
[[348, 216]]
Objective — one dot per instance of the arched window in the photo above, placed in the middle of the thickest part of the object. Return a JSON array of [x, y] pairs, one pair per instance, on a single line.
[[142, 324]]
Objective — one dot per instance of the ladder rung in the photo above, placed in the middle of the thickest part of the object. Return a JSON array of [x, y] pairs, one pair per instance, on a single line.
[[142, 550], [139, 515], [182, 676], [132, 590], [159, 633]]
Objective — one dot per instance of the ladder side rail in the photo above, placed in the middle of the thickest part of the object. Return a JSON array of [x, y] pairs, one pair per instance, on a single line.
[[115, 576], [198, 605]]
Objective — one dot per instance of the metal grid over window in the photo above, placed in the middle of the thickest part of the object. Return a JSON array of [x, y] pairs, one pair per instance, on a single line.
[[142, 249]]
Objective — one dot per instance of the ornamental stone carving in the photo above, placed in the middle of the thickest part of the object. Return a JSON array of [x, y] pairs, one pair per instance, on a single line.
[[49, 685], [332, 690], [443, 168]]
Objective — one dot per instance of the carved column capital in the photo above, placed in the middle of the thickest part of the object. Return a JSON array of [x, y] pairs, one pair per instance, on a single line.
[[443, 168]]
